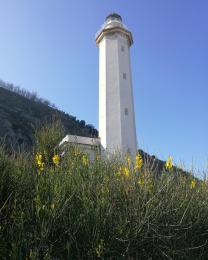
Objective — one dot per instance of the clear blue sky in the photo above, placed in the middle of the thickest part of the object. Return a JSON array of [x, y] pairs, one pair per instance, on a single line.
[[48, 46]]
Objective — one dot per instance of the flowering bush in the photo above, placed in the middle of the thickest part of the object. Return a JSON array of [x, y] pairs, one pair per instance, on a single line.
[[73, 208]]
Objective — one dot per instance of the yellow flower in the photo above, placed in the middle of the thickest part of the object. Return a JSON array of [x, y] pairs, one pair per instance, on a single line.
[[128, 160], [52, 206], [169, 163], [85, 160], [193, 184], [123, 171], [39, 162], [138, 162], [141, 181], [56, 159], [38, 157], [126, 172], [41, 166]]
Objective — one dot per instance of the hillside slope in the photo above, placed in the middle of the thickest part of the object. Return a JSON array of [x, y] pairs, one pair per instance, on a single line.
[[19, 116]]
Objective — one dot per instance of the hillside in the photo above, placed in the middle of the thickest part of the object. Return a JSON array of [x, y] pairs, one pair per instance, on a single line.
[[21, 112]]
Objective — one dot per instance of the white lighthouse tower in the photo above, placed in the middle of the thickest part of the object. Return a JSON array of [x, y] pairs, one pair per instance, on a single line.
[[116, 109]]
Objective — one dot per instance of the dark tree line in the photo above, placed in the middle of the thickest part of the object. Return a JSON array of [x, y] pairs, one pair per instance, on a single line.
[[25, 93]]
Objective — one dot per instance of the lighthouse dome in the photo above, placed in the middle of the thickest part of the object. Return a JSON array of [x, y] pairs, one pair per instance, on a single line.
[[113, 16], [113, 20], [113, 23]]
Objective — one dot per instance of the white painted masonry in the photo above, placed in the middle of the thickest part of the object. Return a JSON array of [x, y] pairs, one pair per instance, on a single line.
[[117, 129], [88, 145]]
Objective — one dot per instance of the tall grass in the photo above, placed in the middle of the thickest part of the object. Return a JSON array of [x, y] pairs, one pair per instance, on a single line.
[[76, 209]]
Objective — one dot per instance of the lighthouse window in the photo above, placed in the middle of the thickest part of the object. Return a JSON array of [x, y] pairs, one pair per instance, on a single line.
[[124, 75], [122, 48], [126, 111], [129, 151]]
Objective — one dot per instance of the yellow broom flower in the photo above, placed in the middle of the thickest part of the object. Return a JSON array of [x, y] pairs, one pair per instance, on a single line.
[[56, 159], [169, 163], [128, 160], [123, 171], [138, 162], [141, 181], [39, 162], [126, 172], [193, 184]]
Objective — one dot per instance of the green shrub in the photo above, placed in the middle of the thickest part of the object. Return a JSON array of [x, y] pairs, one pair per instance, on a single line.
[[71, 208]]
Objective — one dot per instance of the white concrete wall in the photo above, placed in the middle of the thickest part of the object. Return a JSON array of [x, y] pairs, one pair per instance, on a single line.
[[117, 130], [113, 120], [128, 129], [88, 145], [102, 93]]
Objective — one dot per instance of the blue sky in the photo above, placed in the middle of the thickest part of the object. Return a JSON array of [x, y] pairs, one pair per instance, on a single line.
[[48, 46]]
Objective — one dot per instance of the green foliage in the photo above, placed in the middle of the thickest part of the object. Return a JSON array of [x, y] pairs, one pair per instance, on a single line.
[[77, 209], [47, 138]]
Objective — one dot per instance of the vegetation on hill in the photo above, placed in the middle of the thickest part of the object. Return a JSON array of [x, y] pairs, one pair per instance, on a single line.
[[21, 112], [71, 208]]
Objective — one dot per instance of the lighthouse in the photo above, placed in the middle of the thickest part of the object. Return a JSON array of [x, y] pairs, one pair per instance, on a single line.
[[117, 129]]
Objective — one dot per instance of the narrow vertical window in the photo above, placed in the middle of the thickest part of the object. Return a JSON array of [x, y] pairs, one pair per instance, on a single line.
[[129, 151], [124, 75], [126, 111], [122, 48]]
